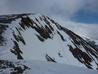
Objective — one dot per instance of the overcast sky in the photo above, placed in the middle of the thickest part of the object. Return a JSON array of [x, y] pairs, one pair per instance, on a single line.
[[76, 12], [66, 7]]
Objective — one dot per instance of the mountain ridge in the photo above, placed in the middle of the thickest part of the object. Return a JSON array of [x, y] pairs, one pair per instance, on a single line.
[[44, 30]]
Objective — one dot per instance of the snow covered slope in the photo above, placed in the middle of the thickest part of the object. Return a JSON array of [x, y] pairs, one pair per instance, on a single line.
[[39, 67], [38, 37]]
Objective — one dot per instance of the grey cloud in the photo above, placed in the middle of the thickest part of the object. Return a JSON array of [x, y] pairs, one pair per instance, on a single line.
[[65, 8], [59, 7], [91, 5]]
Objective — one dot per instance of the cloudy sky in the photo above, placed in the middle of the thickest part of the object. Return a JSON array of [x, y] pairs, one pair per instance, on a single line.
[[82, 14]]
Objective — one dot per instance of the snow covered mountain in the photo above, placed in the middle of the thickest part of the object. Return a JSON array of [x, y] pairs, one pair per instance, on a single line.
[[38, 37]]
